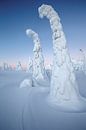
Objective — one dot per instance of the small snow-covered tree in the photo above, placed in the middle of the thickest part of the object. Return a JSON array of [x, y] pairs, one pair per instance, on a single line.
[[5, 66], [39, 72], [18, 66], [83, 60], [63, 82]]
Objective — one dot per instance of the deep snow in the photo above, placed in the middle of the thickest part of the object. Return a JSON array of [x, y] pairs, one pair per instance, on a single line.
[[27, 108]]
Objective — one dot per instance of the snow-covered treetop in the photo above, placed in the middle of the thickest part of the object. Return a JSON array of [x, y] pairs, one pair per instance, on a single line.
[[35, 38], [52, 15], [48, 11], [55, 24]]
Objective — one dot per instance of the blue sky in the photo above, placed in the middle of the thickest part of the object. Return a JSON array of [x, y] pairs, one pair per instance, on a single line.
[[18, 15]]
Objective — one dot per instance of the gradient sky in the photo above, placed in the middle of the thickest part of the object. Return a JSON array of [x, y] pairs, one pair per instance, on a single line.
[[18, 15]]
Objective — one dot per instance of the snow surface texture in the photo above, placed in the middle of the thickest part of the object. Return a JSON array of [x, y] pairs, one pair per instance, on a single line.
[[39, 73], [64, 89]]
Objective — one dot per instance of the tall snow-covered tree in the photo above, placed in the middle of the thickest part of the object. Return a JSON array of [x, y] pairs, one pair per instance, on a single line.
[[39, 72], [64, 87]]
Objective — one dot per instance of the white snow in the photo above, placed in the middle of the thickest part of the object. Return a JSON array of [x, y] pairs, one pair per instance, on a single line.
[[80, 63], [83, 60], [77, 65], [30, 66], [26, 83], [39, 72], [64, 89], [18, 66], [27, 108]]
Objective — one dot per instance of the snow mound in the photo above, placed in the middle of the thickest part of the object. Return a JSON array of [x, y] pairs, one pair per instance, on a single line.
[[26, 83], [41, 82]]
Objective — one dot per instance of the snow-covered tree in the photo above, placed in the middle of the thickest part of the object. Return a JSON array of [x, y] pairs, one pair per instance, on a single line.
[[39, 72], [80, 63], [18, 66], [82, 60], [5, 66], [64, 87]]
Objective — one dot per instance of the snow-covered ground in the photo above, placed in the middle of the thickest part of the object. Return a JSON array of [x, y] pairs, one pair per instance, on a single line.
[[27, 108]]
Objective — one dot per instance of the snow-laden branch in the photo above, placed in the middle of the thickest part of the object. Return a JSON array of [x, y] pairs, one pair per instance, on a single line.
[[34, 37], [63, 82]]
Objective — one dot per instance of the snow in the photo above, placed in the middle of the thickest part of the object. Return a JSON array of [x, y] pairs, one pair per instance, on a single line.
[[30, 66], [26, 83], [64, 89], [28, 109], [18, 66], [80, 63], [77, 65], [83, 60], [39, 73]]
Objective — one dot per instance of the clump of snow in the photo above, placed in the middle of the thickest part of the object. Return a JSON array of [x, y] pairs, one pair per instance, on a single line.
[[39, 72], [64, 88], [26, 83]]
